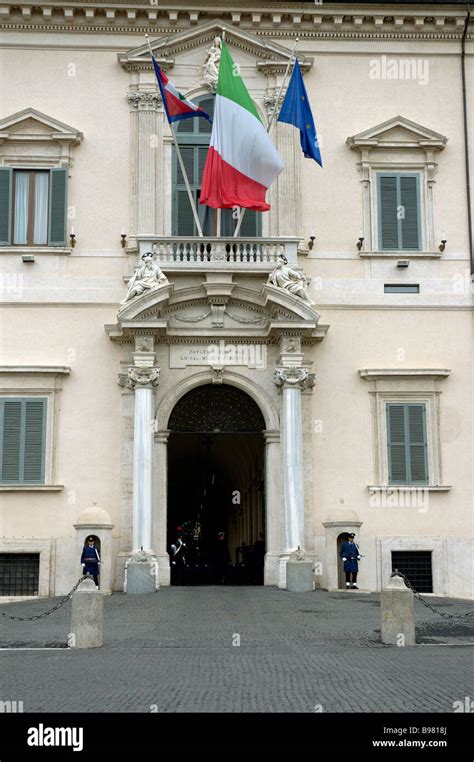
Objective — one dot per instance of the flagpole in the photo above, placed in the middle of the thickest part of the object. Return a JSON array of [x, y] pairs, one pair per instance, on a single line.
[[219, 214], [270, 122], [183, 168]]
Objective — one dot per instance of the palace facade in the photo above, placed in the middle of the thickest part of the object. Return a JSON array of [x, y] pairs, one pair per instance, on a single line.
[[225, 398]]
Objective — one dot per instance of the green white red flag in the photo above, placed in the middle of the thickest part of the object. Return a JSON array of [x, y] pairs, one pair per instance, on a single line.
[[242, 161]]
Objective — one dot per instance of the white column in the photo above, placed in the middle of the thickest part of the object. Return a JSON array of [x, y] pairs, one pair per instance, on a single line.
[[293, 381], [142, 469], [142, 380]]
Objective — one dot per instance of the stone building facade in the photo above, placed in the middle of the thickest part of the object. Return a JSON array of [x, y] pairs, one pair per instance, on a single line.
[[223, 389]]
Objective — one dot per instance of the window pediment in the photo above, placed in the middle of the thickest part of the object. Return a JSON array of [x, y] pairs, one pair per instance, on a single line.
[[31, 126], [397, 133]]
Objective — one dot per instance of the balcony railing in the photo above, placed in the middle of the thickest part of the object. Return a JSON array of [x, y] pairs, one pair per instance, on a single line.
[[182, 253]]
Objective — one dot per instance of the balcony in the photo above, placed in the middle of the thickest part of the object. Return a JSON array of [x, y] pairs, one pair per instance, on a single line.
[[187, 254]]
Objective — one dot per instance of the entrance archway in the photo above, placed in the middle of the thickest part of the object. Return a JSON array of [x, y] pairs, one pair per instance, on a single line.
[[215, 485]]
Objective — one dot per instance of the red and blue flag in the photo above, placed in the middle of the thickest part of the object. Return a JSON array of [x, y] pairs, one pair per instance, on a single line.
[[177, 107]]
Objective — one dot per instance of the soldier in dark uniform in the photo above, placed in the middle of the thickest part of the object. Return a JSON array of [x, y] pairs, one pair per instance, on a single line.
[[90, 560], [350, 555], [177, 561]]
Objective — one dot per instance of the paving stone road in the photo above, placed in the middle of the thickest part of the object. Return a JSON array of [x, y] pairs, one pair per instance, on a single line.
[[175, 651]]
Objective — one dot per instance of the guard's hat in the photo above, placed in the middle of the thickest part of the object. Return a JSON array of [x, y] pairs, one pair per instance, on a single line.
[[90, 539], [351, 534]]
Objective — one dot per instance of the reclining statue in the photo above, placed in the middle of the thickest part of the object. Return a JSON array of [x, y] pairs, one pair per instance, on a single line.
[[146, 277]]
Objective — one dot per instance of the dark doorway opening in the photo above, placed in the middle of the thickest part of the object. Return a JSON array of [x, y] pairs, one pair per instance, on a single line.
[[215, 486]]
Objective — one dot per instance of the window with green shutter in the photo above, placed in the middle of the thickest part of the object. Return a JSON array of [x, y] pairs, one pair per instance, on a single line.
[[22, 440], [407, 443], [33, 207], [193, 137], [399, 213]]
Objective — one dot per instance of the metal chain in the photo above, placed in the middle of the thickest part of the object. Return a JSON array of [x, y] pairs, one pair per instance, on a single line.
[[417, 595], [50, 611]]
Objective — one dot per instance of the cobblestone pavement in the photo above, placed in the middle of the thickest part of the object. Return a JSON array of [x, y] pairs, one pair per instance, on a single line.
[[174, 652]]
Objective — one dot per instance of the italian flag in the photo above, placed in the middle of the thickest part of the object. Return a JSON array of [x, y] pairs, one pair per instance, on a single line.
[[242, 161]]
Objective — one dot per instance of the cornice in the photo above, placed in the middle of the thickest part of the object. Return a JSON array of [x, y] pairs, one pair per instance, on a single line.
[[348, 22]]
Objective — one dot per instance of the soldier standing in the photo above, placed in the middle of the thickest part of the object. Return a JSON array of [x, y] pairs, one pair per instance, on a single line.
[[350, 555], [90, 560]]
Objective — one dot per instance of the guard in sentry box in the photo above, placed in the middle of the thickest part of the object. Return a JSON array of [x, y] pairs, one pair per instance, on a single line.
[[90, 560], [350, 554]]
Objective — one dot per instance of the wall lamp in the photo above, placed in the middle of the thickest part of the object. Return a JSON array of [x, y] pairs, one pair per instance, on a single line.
[[312, 238], [123, 237], [360, 242], [442, 245]]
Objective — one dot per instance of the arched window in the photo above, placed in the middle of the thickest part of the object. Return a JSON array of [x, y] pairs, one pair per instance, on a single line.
[[193, 136]]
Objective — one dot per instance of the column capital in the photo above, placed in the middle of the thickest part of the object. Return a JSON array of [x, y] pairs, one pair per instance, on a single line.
[[140, 100], [139, 378], [299, 378]]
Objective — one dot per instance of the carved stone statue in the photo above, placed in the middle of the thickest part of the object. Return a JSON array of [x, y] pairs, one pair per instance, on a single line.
[[283, 276], [147, 277], [211, 64]]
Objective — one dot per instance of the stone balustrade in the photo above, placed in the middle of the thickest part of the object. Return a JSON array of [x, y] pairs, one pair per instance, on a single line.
[[181, 252]]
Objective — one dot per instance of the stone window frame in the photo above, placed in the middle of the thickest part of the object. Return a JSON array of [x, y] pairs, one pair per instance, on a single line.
[[416, 386], [50, 147], [415, 153], [436, 545], [33, 545], [17, 382]]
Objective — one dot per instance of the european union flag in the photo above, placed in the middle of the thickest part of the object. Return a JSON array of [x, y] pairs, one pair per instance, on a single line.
[[296, 110]]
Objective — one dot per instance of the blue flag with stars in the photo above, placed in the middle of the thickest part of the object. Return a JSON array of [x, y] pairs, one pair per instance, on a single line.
[[296, 110]]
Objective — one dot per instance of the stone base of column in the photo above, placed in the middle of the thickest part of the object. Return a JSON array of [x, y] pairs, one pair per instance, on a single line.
[[282, 562], [164, 569], [141, 573], [271, 570]]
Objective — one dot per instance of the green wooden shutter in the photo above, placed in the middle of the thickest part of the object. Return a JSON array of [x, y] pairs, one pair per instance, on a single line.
[[397, 460], [184, 214], [57, 207], [6, 177], [23, 438], [207, 104], [35, 425], [11, 420], [187, 154], [418, 455], [388, 222], [407, 444], [250, 225], [410, 222]]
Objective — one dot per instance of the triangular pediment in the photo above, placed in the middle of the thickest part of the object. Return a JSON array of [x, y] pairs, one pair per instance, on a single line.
[[30, 124], [266, 52], [398, 132]]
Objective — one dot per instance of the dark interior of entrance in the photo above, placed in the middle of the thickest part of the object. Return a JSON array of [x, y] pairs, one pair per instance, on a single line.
[[215, 486]]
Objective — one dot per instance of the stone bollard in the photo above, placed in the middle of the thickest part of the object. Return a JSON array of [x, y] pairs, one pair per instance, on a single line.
[[87, 616], [398, 613], [299, 573]]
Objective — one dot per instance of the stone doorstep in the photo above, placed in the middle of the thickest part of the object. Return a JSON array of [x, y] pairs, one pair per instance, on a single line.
[[348, 590]]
